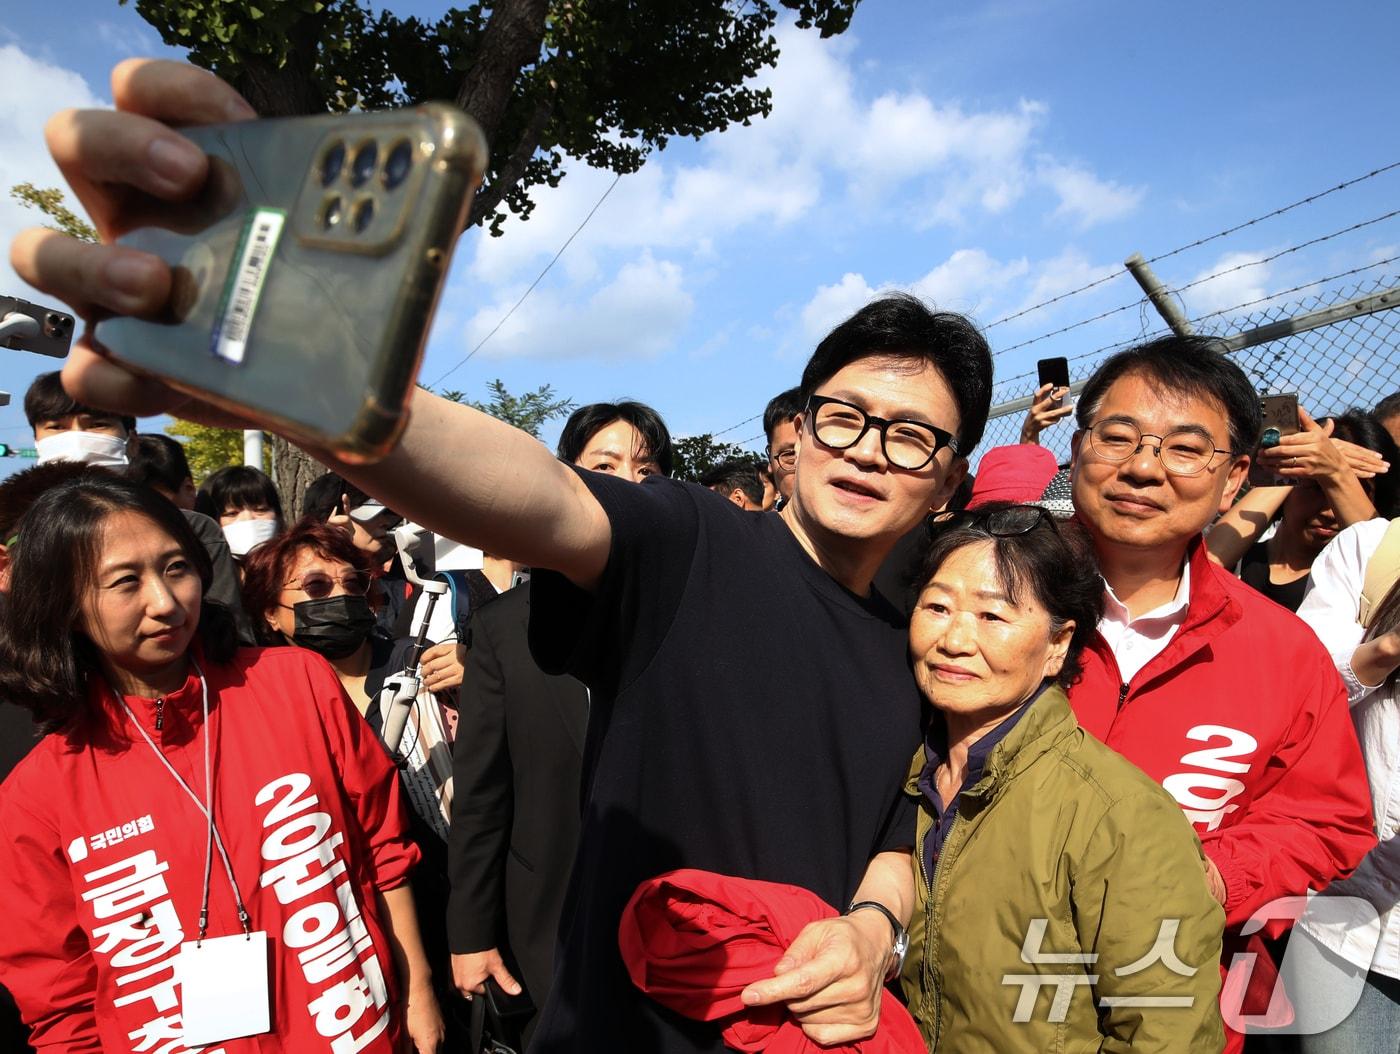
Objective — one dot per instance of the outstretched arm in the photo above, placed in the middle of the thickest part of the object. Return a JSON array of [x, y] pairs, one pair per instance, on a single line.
[[457, 470]]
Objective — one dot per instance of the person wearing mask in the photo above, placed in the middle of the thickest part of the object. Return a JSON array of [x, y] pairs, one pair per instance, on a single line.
[[519, 757], [1338, 471], [1024, 817], [66, 430], [780, 428], [152, 852], [626, 579], [1339, 953], [1276, 788], [244, 502], [160, 464]]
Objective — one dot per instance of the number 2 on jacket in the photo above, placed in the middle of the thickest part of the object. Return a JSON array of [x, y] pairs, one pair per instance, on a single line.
[[1186, 787]]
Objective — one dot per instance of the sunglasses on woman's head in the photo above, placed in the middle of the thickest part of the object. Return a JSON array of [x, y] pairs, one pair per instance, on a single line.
[[999, 523]]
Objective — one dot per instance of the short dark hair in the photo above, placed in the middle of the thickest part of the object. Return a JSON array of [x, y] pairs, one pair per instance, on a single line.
[[322, 498], [159, 462], [267, 566], [738, 472], [902, 326], [1364, 429], [782, 407], [23, 489], [1190, 365], [587, 421], [46, 400], [1054, 561], [46, 661], [1388, 407], [238, 487]]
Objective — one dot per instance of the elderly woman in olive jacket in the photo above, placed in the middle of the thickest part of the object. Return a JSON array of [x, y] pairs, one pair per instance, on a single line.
[[1062, 896]]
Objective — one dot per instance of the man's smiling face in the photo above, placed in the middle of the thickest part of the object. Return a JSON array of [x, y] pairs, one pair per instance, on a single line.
[[856, 493]]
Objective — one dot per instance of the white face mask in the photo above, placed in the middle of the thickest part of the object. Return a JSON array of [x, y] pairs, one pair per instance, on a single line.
[[91, 448], [242, 535]]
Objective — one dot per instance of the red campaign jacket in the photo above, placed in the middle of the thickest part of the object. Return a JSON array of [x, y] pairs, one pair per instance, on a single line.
[[1243, 719], [694, 940], [102, 863]]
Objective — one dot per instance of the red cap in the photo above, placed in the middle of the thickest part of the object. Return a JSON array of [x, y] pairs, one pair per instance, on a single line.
[[1017, 473]]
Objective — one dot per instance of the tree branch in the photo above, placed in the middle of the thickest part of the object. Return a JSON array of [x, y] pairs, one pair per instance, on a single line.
[[511, 42], [493, 192]]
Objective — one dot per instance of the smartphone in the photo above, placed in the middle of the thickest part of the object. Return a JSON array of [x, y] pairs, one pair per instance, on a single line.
[[503, 1005], [1054, 372], [306, 271], [49, 332], [1280, 413]]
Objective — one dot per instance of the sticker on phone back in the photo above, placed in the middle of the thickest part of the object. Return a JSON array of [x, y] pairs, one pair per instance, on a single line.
[[239, 305]]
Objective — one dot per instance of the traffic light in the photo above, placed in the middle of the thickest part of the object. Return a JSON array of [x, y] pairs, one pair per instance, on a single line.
[[6, 450]]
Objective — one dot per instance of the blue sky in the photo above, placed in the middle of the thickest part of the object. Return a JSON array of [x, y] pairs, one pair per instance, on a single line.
[[986, 155]]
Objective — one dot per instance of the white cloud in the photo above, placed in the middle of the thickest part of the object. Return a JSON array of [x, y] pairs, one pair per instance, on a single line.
[[1247, 281], [1058, 275], [640, 313], [128, 40], [965, 282], [30, 92], [1084, 198]]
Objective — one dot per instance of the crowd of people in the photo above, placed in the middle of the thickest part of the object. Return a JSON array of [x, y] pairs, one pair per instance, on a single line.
[[856, 750]]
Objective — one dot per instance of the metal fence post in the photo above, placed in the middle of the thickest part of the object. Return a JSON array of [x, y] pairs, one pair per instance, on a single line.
[[1157, 293]]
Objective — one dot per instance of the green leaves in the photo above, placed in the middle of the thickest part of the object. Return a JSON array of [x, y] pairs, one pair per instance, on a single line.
[[612, 81]]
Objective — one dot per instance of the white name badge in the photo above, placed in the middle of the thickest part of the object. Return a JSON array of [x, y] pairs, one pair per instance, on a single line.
[[224, 990]]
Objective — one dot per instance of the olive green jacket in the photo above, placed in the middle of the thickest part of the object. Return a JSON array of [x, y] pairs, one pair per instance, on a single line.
[[1063, 830]]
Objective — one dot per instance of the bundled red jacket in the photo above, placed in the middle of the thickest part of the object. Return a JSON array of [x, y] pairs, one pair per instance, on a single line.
[[102, 863], [694, 940], [1244, 720]]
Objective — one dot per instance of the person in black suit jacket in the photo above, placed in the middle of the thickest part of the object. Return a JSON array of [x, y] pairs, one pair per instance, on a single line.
[[518, 755], [515, 804]]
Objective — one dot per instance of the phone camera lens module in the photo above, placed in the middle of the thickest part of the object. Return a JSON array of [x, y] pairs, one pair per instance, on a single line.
[[396, 167], [332, 164], [364, 213], [366, 160], [331, 212]]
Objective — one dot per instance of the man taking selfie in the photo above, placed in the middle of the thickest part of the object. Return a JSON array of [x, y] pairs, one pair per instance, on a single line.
[[764, 737]]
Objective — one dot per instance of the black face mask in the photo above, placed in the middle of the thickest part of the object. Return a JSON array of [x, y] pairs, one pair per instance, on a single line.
[[332, 627]]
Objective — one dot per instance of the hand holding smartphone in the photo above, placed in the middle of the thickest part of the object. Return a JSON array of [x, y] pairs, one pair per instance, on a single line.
[[1280, 413], [306, 271]]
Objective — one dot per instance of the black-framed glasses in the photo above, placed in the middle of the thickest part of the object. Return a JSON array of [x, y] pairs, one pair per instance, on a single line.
[[784, 458], [1004, 522], [1183, 453], [908, 445], [318, 585]]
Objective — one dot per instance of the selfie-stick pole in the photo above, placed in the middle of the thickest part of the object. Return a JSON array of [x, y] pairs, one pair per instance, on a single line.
[[400, 691]]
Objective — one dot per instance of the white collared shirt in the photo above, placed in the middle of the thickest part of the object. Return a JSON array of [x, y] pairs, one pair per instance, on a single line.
[[1137, 641], [1331, 609]]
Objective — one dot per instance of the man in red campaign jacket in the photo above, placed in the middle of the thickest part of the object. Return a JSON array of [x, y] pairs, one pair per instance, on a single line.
[[1225, 698]]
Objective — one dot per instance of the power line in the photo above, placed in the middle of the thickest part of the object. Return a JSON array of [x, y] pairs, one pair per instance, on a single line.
[[531, 289], [1201, 241], [1207, 278]]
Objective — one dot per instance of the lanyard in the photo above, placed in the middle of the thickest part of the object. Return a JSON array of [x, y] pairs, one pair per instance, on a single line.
[[206, 807]]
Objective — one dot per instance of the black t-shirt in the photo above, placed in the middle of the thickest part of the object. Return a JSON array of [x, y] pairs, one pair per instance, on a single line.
[[750, 716], [1254, 571]]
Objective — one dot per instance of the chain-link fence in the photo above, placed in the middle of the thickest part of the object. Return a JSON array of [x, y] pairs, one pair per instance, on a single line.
[[1349, 361]]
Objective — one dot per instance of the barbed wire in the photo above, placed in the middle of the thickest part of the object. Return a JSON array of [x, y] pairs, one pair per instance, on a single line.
[[1204, 279], [1199, 242], [741, 424], [538, 278]]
